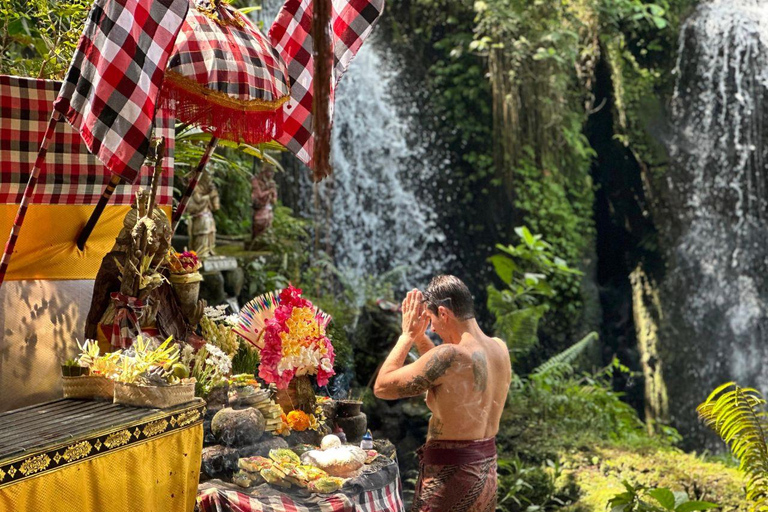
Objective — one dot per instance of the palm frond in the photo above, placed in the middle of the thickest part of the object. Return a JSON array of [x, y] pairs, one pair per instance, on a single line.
[[737, 415], [567, 356]]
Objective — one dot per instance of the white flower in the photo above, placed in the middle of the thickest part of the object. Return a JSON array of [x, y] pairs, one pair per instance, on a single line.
[[187, 355], [218, 359], [216, 313]]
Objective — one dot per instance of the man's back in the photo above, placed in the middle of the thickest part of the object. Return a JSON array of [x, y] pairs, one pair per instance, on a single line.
[[468, 402]]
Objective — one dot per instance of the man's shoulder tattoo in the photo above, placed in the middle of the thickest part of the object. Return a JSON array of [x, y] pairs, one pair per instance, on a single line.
[[438, 364], [480, 370]]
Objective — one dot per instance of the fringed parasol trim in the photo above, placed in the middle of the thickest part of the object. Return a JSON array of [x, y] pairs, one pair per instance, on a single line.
[[179, 84], [250, 122]]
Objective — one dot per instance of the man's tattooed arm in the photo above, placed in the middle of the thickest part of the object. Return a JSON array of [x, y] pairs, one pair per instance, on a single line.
[[397, 381], [438, 362]]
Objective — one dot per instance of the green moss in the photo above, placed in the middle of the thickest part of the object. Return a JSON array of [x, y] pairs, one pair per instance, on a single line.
[[600, 471]]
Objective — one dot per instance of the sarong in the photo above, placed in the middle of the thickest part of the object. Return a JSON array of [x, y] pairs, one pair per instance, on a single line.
[[456, 476]]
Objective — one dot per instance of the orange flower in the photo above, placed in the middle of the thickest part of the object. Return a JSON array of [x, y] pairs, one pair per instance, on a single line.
[[298, 420]]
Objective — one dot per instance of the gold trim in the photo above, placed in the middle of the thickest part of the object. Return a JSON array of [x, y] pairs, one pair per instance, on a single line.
[[77, 451], [117, 439], [34, 464], [222, 99], [212, 14], [154, 428], [187, 417], [53, 457]]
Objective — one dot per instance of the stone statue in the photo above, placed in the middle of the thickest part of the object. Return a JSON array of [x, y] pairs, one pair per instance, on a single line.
[[263, 196], [202, 226]]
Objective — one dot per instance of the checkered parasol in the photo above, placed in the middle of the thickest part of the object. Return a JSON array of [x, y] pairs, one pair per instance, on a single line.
[[224, 76]]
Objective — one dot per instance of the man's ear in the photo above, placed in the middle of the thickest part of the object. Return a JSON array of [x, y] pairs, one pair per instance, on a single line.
[[443, 313]]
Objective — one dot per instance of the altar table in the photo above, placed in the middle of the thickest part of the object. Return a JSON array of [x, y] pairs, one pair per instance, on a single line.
[[377, 490], [81, 455]]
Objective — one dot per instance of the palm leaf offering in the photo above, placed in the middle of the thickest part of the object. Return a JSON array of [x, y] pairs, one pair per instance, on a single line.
[[737, 415], [254, 315]]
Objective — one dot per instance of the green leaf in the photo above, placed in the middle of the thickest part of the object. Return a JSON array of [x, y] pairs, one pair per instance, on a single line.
[[691, 506], [665, 497], [504, 267]]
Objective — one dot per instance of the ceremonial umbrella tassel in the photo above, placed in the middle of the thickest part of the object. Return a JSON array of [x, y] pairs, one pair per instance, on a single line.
[[226, 78]]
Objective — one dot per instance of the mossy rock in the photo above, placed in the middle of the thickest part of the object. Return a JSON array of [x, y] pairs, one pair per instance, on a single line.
[[600, 471]]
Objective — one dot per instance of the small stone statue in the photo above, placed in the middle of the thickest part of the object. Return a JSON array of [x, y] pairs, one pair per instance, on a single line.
[[263, 196], [202, 226]]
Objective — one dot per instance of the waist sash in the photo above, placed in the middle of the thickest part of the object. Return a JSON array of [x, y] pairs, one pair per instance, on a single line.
[[443, 453]]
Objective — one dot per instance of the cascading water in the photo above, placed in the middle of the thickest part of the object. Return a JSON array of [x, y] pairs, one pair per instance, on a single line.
[[715, 291], [382, 213], [376, 213]]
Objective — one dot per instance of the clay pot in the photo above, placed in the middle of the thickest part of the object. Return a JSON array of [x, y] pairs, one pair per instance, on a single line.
[[354, 427], [348, 408]]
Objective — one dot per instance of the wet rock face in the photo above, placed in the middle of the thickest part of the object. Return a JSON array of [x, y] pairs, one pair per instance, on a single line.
[[219, 461], [714, 219], [237, 427]]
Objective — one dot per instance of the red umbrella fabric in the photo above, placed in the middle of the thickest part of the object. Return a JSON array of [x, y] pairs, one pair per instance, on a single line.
[[225, 76]]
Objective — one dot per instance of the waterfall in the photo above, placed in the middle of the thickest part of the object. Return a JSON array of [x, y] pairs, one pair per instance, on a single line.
[[381, 194], [716, 285]]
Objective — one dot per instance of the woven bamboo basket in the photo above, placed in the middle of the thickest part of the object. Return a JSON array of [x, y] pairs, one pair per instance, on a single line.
[[158, 397], [88, 388]]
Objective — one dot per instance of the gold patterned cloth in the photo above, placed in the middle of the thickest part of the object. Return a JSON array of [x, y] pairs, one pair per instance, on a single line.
[[131, 460]]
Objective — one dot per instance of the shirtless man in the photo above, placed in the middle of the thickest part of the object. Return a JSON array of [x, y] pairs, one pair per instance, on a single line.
[[466, 380]]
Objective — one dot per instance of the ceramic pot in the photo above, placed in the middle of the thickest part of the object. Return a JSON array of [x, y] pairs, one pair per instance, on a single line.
[[348, 408]]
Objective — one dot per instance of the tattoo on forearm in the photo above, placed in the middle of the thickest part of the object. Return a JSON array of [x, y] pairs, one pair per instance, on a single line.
[[436, 367], [480, 370]]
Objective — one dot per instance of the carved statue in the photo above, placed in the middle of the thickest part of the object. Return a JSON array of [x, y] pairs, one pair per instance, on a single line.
[[127, 293], [263, 196], [202, 226]]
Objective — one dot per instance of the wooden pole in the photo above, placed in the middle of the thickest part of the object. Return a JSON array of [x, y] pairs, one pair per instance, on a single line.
[[85, 233]]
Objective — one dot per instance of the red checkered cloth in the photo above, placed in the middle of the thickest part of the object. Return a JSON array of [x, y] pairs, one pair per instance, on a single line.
[[225, 76], [384, 499], [70, 174], [352, 22], [112, 85]]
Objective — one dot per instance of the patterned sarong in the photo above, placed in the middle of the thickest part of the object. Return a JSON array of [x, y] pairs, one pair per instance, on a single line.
[[456, 476]]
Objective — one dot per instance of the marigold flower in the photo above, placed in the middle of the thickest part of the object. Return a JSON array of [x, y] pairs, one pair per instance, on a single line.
[[298, 420]]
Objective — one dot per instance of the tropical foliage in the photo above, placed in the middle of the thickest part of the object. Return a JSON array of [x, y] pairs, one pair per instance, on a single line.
[[738, 416]]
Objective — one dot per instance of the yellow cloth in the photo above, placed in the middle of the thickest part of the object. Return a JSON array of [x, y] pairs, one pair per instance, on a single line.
[[158, 475], [46, 247]]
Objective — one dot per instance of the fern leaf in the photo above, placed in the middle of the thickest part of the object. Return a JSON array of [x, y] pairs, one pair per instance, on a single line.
[[567, 356], [736, 415]]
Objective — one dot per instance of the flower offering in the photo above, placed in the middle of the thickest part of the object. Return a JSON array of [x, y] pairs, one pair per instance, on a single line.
[[290, 332]]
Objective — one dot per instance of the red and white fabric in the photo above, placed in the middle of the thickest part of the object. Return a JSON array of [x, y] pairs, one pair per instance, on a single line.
[[352, 21], [384, 499], [70, 173], [225, 76], [112, 86]]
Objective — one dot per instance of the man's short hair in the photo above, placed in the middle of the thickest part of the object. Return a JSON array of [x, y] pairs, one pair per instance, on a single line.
[[451, 292]]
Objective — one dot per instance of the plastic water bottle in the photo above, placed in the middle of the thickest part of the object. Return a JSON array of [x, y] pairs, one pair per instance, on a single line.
[[367, 442]]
